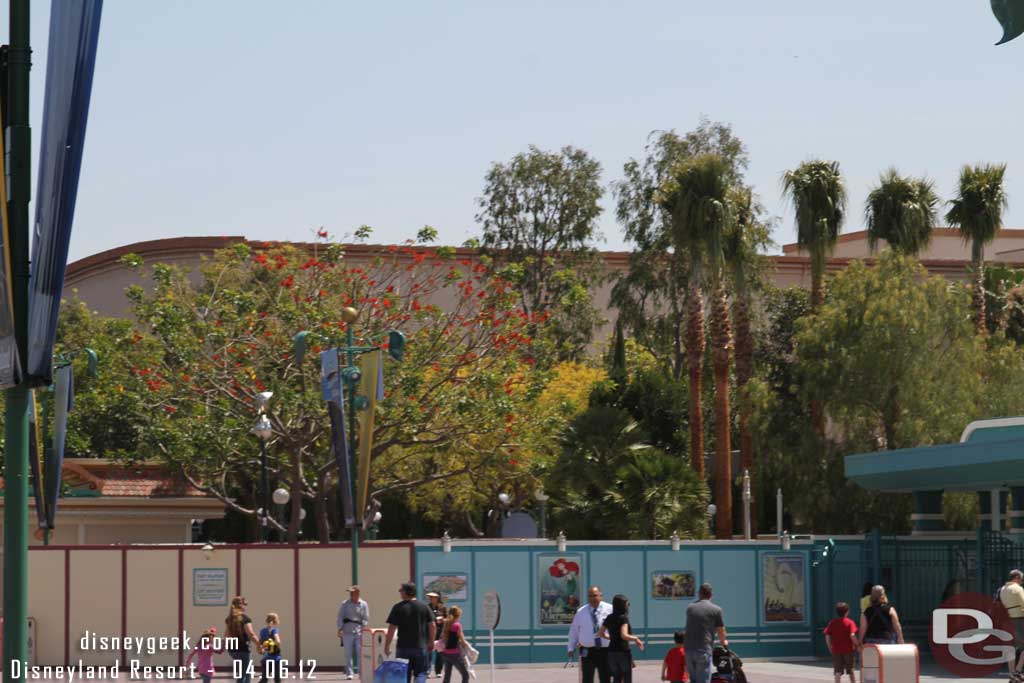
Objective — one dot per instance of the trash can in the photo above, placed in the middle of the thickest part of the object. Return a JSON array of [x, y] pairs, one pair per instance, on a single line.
[[890, 664], [371, 653], [392, 671]]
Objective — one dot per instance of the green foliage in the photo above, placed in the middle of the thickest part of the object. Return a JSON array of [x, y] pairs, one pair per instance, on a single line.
[[539, 217], [818, 193], [902, 211], [977, 210]]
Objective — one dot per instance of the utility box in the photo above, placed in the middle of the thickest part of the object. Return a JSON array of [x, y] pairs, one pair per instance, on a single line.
[[371, 652], [30, 645], [890, 664]]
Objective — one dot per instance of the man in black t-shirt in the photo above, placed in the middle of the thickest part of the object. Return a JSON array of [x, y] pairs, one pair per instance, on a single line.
[[417, 631]]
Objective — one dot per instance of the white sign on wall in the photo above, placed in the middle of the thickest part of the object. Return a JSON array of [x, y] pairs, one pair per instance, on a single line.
[[209, 587]]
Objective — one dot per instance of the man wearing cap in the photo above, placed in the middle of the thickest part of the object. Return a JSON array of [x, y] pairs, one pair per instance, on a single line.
[[353, 615]]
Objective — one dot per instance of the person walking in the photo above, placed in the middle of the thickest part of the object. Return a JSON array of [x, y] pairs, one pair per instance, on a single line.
[[205, 650], [704, 619], [416, 629], [240, 634], [879, 623], [453, 638], [1011, 595], [583, 636], [616, 630], [353, 615], [673, 667], [841, 640], [437, 606], [270, 644]]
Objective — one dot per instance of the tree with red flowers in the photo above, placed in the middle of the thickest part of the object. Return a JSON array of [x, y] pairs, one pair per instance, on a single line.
[[450, 408]]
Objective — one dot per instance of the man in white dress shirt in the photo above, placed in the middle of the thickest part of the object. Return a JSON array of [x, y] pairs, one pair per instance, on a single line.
[[583, 636]]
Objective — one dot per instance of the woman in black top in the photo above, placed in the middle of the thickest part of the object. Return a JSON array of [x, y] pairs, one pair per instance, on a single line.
[[616, 631], [239, 627], [879, 623]]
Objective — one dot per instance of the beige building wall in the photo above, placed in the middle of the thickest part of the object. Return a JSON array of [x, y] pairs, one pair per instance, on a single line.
[[46, 603], [95, 589], [152, 605], [154, 601]]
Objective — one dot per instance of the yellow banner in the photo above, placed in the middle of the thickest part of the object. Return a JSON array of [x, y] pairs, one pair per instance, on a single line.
[[370, 387]]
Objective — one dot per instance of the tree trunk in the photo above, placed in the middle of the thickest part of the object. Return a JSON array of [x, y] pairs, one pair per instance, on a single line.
[[979, 299], [744, 373], [722, 343], [817, 299], [695, 366]]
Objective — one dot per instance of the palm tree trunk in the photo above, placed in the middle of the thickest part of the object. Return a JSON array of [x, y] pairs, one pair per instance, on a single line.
[[695, 366], [744, 373], [979, 298], [722, 340], [817, 299]]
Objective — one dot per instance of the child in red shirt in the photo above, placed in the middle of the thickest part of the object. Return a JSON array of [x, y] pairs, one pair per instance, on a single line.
[[673, 669], [839, 636]]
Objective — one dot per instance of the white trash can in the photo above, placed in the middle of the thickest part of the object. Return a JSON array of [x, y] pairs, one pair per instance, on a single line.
[[371, 652], [890, 664]]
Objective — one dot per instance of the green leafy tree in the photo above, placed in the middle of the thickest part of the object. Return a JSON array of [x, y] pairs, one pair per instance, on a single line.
[[539, 217], [977, 210], [450, 408], [902, 211]]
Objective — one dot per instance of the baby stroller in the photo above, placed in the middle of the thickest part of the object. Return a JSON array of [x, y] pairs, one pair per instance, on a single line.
[[728, 667]]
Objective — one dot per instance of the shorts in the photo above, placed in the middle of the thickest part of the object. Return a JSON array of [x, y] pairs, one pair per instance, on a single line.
[[1018, 633], [842, 663]]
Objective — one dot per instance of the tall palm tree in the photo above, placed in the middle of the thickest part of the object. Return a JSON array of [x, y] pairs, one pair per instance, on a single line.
[[977, 210], [742, 258], [697, 196], [818, 193], [902, 211]]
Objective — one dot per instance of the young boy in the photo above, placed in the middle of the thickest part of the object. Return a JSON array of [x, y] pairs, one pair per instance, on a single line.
[[839, 636], [673, 669]]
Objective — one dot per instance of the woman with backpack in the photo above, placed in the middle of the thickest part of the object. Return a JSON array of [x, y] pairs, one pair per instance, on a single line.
[[879, 623]]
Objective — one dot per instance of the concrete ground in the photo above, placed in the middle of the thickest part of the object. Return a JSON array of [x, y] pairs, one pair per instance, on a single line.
[[649, 672]]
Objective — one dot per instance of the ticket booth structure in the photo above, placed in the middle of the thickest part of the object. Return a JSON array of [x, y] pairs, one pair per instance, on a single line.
[[890, 664]]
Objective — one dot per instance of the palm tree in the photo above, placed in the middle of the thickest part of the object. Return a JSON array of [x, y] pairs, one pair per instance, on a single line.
[[741, 255], [902, 211], [818, 193], [697, 197], [977, 211]]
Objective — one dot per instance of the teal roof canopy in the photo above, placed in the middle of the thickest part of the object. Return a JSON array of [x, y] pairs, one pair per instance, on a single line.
[[990, 455]]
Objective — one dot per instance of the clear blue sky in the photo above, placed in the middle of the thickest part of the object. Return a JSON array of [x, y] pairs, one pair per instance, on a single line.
[[269, 119]]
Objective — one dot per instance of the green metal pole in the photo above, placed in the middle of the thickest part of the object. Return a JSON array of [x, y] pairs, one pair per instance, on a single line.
[[19, 163], [353, 461]]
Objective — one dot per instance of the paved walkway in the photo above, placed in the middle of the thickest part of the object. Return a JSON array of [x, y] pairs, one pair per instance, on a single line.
[[649, 672]]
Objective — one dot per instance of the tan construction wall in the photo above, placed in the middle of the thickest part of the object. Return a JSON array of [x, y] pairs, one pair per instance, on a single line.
[[143, 591]]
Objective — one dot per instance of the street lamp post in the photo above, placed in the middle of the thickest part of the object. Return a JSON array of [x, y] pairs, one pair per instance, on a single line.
[[263, 430], [543, 499]]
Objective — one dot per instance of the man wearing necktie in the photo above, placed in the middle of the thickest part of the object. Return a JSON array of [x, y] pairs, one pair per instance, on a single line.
[[583, 636]]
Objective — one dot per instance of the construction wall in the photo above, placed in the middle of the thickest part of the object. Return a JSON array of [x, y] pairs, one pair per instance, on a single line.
[[143, 591]]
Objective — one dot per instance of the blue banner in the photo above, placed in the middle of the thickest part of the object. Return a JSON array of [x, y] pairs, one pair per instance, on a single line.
[[63, 402], [334, 394], [71, 60]]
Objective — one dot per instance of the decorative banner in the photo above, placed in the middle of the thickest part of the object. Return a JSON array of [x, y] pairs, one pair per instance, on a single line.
[[10, 364], [451, 587], [673, 585], [53, 463], [1010, 14], [35, 458], [334, 394], [560, 592], [784, 588], [371, 385], [70, 62]]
